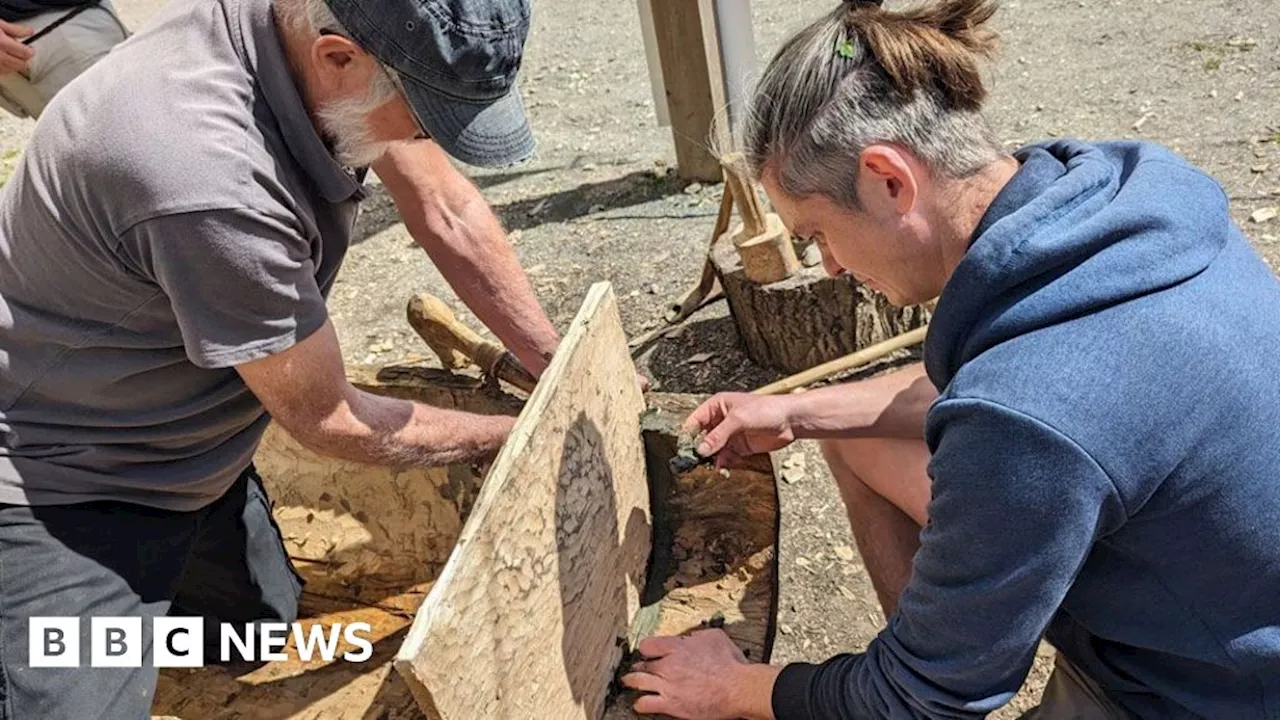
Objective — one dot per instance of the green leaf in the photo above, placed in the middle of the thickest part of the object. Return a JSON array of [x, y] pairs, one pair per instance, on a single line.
[[845, 49]]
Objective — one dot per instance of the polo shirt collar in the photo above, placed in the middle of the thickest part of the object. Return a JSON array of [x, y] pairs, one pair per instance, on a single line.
[[259, 45]]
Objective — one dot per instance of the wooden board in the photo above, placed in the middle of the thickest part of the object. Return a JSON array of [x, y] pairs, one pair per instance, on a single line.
[[526, 618], [689, 48]]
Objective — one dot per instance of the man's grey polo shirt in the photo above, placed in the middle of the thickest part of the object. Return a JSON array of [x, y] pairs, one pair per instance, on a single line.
[[175, 214]]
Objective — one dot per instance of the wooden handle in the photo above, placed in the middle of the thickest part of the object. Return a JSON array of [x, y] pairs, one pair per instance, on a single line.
[[458, 345], [826, 370], [744, 194]]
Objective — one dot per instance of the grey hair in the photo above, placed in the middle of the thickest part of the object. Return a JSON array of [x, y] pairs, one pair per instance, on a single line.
[[863, 75], [310, 17]]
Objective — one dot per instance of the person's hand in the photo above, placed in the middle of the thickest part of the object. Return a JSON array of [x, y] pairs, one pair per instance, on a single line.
[[700, 676], [13, 54], [738, 425]]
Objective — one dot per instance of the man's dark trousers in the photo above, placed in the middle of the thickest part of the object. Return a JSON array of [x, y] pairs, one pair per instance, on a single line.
[[225, 563]]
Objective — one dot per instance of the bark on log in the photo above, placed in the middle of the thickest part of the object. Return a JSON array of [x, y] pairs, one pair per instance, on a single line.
[[809, 318]]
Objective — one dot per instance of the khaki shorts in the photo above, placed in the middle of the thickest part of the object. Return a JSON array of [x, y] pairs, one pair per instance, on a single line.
[[61, 56], [1072, 695]]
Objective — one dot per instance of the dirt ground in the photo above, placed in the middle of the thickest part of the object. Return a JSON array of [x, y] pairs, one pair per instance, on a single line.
[[598, 203]]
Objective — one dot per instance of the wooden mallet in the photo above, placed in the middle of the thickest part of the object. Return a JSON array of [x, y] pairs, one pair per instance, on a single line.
[[762, 241], [458, 346]]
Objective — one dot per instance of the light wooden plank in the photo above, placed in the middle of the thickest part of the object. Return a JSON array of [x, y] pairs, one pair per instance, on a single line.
[[689, 48], [524, 620]]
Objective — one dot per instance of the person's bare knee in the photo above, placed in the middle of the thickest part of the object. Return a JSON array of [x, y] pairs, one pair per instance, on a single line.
[[892, 468]]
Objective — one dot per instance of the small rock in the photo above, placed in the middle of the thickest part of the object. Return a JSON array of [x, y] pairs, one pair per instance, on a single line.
[[654, 289], [595, 209], [812, 256], [1259, 169], [845, 553], [588, 168], [785, 629], [699, 358], [1266, 214], [792, 475], [693, 189], [1039, 107]]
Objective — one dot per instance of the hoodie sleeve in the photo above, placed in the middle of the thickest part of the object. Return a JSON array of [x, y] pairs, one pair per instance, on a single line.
[[1016, 507]]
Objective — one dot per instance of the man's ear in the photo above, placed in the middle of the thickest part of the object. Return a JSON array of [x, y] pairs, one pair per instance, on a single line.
[[338, 64], [887, 181]]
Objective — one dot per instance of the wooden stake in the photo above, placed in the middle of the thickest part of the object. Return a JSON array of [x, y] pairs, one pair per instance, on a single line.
[[689, 48], [866, 356]]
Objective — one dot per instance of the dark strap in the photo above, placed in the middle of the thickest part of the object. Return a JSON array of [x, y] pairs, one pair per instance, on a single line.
[[56, 23]]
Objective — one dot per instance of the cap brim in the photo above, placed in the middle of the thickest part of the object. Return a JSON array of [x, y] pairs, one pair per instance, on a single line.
[[493, 134]]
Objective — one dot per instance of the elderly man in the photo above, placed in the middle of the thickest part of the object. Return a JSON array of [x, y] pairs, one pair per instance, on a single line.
[[168, 239]]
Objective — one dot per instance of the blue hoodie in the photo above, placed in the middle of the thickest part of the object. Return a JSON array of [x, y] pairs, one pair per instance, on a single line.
[[1106, 467]]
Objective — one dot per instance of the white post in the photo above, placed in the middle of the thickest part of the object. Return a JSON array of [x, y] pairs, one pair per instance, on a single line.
[[656, 83], [738, 54]]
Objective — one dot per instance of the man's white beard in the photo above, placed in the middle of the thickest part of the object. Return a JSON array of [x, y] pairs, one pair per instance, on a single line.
[[346, 123]]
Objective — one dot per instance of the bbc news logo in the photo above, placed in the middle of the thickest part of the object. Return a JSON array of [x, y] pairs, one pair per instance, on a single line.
[[179, 642]]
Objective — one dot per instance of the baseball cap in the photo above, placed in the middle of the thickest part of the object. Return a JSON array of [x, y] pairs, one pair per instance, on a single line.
[[457, 62]]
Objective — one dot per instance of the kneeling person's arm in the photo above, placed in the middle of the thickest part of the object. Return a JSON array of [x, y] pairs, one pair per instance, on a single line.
[[306, 390]]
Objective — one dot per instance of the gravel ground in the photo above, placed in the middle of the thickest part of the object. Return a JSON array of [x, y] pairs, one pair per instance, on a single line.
[[598, 203]]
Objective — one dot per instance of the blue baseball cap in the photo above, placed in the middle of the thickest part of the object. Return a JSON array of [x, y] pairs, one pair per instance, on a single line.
[[457, 61]]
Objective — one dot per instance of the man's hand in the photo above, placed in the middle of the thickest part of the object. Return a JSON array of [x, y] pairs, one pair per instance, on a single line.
[[13, 54], [701, 676], [738, 425]]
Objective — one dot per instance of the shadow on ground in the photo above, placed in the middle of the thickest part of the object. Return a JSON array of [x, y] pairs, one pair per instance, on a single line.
[[378, 211]]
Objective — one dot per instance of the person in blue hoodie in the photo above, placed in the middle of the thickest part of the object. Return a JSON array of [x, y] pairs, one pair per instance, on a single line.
[[1087, 454]]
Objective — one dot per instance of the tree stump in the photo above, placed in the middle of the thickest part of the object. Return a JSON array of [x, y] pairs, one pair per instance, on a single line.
[[808, 318]]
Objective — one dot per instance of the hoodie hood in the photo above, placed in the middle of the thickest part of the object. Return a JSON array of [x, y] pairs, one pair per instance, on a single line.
[[1079, 228]]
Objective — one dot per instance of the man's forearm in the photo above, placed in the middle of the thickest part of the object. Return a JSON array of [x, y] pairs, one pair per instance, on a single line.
[[892, 405], [386, 431], [448, 217]]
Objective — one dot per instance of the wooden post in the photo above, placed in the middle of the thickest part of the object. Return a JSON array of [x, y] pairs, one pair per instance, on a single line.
[[689, 48]]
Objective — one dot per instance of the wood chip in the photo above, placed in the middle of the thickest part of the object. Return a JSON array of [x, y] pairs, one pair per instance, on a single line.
[[1259, 169], [844, 552], [700, 358], [1266, 214]]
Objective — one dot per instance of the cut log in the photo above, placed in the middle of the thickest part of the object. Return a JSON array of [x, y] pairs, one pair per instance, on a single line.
[[809, 318], [368, 540], [531, 612]]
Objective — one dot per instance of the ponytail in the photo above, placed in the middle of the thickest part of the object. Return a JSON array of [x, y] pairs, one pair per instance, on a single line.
[[936, 47], [866, 74]]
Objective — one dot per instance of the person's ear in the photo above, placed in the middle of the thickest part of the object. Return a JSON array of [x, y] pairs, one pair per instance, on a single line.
[[340, 65], [886, 181]]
